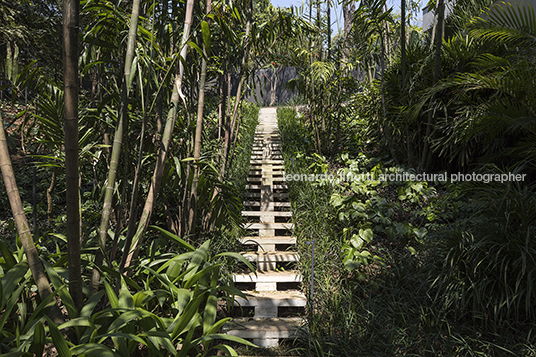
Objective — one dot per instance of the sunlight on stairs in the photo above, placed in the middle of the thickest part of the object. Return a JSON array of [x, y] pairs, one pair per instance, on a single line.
[[274, 302]]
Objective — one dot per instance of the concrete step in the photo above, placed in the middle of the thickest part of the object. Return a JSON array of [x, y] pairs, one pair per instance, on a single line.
[[288, 226], [259, 187], [260, 194], [257, 176], [267, 260], [264, 332], [270, 157], [274, 169], [267, 213], [266, 303], [267, 168], [268, 241], [276, 204], [260, 151], [267, 280], [264, 162], [271, 256]]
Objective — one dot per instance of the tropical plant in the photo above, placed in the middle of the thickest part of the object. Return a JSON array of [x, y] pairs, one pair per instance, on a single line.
[[167, 307], [486, 262]]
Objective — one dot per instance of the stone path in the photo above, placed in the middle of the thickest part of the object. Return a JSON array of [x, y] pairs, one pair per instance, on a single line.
[[274, 301]]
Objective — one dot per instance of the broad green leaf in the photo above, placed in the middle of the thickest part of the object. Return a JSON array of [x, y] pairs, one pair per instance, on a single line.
[[79, 321], [206, 35], [66, 298], [366, 234], [133, 69], [38, 342], [183, 298], [93, 349], [186, 318], [186, 342], [160, 338], [125, 298], [174, 237], [211, 308], [124, 319], [201, 274], [36, 314], [356, 241], [12, 278], [91, 303], [114, 301], [218, 325], [120, 335], [198, 259], [225, 349], [7, 255], [220, 336], [58, 339]]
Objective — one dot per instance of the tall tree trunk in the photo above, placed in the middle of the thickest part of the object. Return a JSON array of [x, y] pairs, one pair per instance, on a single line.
[[166, 141], [226, 128], [50, 202], [23, 228], [329, 28], [348, 9], [403, 40], [319, 29], [118, 141], [198, 133], [71, 10], [245, 56], [426, 154], [221, 104]]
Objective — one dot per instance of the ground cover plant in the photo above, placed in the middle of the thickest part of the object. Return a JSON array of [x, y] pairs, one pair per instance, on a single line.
[[133, 175], [408, 268]]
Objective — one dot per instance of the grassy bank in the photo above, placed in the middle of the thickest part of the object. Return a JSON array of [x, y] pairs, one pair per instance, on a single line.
[[396, 269]]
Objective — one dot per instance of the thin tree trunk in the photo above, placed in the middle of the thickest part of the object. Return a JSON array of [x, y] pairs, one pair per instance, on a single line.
[[426, 154], [198, 134], [23, 228], [221, 104], [166, 141], [403, 40], [71, 10], [118, 141], [247, 43], [348, 9], [329, 28], [50, 202], [227, 128]]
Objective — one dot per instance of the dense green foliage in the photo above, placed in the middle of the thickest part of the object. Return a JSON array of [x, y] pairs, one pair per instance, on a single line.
[[401, 267], [433, 266]]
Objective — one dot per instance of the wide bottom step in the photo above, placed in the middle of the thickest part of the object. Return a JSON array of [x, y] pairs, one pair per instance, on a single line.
[[264, 332]]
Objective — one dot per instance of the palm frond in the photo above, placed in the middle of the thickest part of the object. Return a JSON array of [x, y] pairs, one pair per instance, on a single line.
[[506, 22]]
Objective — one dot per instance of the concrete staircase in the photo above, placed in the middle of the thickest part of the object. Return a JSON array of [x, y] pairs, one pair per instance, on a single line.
[[274, 302]]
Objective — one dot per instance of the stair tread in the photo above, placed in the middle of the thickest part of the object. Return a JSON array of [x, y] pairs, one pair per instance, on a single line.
[[280, 327], [267, 213], [276, 204], [276, 298], [289, 276], [268, 239], [260, 187], [268, 225], [276, 256], [280, 161]]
